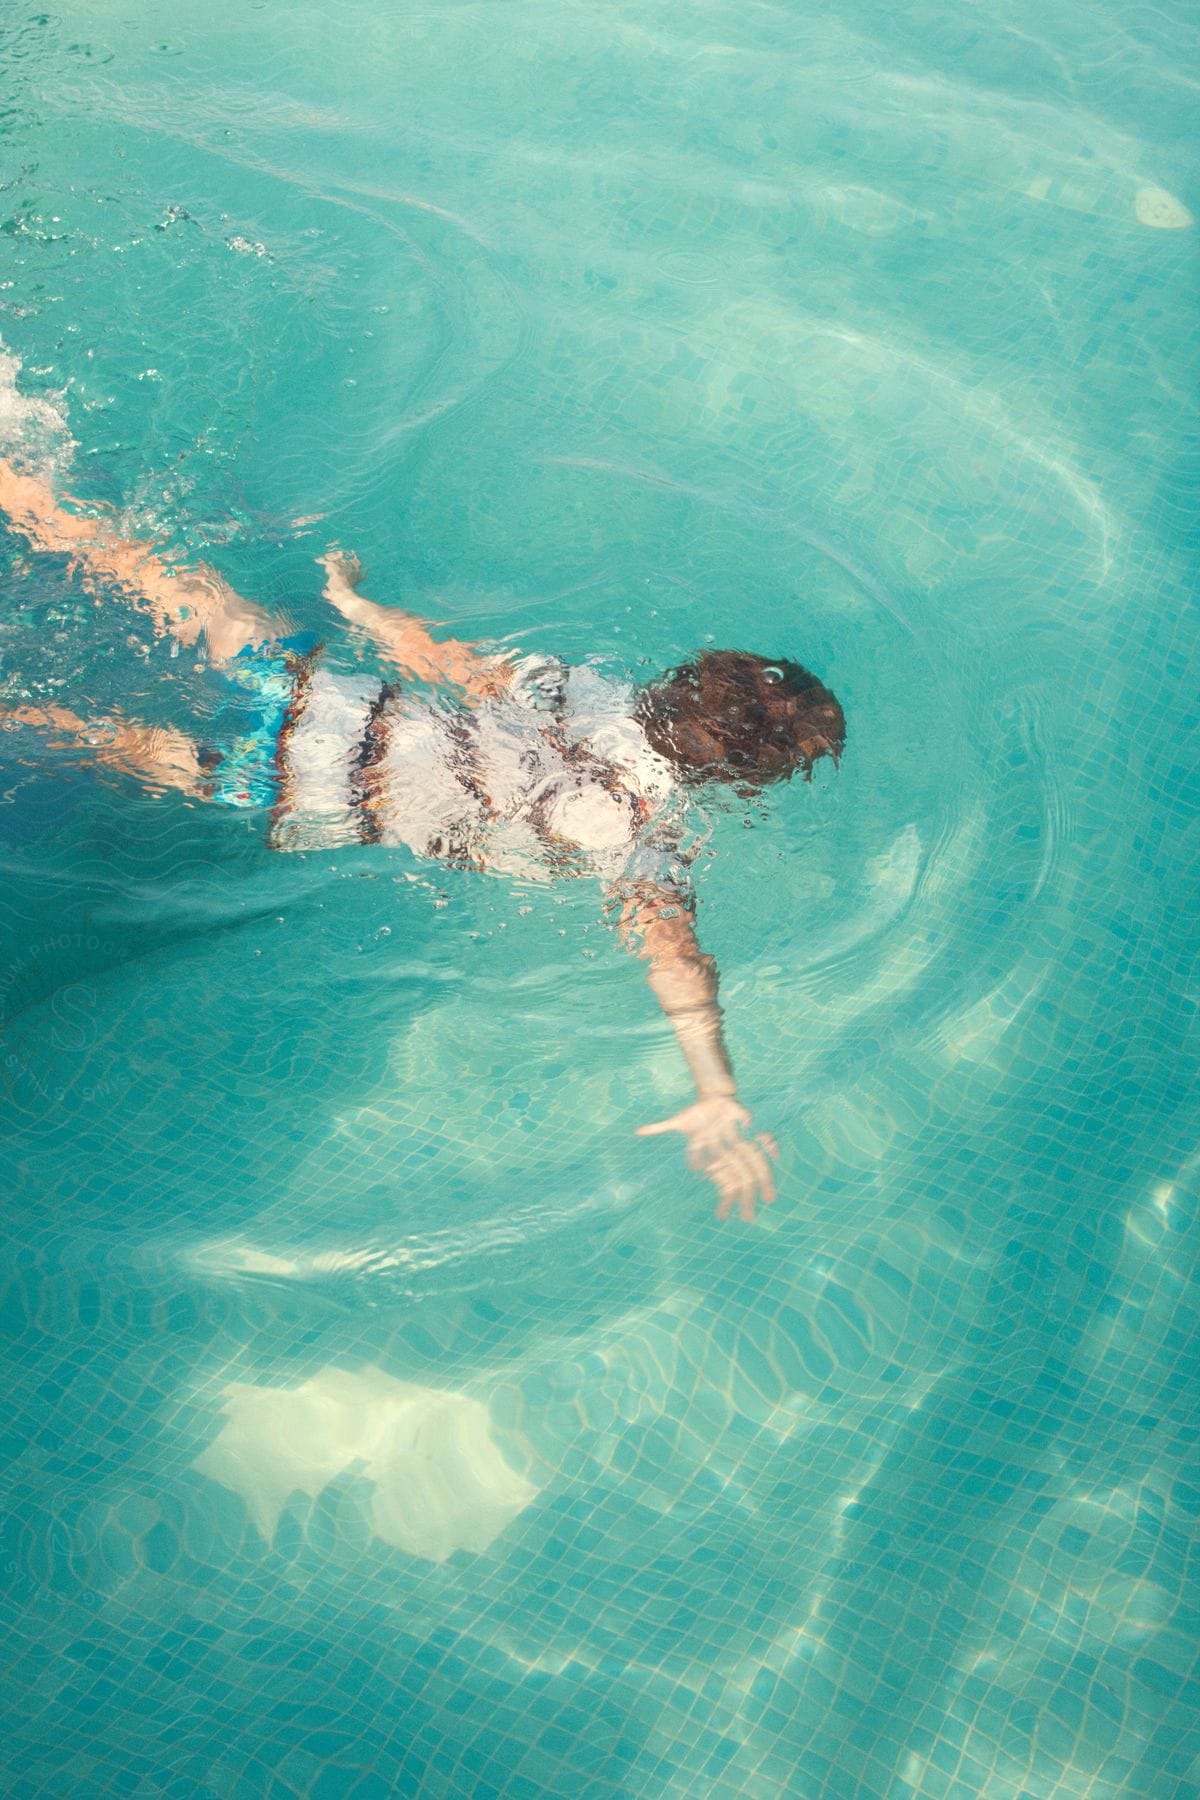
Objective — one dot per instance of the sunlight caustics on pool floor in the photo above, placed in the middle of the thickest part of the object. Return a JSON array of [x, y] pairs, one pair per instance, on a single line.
[[384, 1416]]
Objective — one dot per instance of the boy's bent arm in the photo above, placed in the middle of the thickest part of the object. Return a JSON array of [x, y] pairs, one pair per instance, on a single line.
[[657, 925], [406, 640]]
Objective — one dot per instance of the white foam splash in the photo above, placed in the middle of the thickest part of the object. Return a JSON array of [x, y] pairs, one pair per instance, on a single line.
[[440, 1483], [33, 428]]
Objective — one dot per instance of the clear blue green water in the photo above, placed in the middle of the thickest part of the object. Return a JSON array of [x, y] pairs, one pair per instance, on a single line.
[[383, 1417]]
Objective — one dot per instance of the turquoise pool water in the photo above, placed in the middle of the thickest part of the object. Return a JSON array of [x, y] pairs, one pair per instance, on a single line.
[[383, 1416]]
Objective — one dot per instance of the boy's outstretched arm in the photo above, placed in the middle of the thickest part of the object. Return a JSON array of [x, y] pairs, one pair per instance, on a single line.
[[406, 640], [657, 926]]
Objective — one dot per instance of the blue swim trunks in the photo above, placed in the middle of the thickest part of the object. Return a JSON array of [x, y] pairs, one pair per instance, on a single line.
[[243, 768]]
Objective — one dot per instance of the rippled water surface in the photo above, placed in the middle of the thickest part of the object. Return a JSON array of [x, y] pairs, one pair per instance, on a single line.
[[384, 1416]]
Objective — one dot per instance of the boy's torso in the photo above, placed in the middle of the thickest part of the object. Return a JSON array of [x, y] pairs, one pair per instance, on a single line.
[[556, 777]]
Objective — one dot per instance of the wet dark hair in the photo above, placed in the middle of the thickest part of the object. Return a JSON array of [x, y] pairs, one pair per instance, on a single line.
[[749, 720]]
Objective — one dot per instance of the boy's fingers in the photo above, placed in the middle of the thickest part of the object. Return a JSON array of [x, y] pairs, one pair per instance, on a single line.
[[658, 1128], [766, 1185], [736, 1185]]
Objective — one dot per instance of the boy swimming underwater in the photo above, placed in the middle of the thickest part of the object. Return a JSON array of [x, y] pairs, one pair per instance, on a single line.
[[517, 766]]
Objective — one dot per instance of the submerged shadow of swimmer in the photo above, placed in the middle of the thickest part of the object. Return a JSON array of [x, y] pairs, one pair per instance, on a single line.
[[521, 766]]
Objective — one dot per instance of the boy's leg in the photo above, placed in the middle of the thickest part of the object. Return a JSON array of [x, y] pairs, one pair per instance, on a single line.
[[156, 755], [185, 602]]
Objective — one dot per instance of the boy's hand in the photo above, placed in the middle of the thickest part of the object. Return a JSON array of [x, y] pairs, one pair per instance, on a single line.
[[737, 1166], [406, 640], [343, 572]]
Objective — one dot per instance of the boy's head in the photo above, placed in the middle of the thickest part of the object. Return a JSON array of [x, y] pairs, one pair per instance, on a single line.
[[730, 716]]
